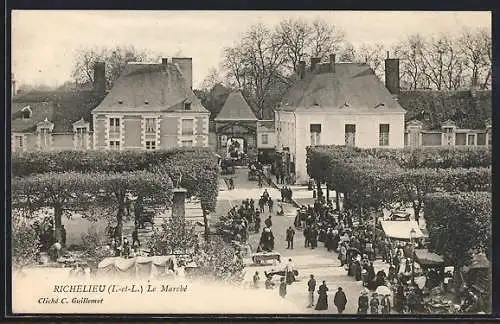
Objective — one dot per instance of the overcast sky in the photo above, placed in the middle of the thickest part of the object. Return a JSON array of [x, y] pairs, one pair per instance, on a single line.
[[44, 42]]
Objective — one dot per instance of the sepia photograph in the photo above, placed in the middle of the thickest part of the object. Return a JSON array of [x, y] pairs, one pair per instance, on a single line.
[[251, 162]]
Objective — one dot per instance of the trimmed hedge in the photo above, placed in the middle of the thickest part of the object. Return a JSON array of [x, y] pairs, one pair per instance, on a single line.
[[431, 157], [373, 181], [459, 224], [196, 167]]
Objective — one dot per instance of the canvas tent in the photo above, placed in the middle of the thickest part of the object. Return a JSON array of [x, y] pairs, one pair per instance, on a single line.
[[151, 267], [426, 258], [401, 229]]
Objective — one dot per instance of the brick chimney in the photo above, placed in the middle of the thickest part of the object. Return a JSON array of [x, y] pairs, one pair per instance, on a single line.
[[186, 66], [100, 77], [178, 203], [392, 75], [332, 63], [314, 61], [301, 70]]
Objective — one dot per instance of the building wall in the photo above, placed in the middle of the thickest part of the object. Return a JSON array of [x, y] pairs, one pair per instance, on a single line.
[[431, 139], [100, 126], [62, 141], [132, 127], [285, 130], [333, 133], [271, 141], [132, 134], [459, 137]]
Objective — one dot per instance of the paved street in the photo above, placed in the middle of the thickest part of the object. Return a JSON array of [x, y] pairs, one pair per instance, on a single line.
[[324, 265]]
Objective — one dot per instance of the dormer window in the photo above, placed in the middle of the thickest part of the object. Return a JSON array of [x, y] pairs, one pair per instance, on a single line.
[[187, 105], [26, 112], [120, 102], [146, 102]]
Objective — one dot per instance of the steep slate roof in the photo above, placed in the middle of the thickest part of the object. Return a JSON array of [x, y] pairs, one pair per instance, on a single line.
[[66, 107], [163, 87], [39, 111], [236, 108], [351, 83]]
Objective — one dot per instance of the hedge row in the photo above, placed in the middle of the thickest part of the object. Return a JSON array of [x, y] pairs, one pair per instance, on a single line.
[[196, 168], [432, 157], [373, 181], [459, 224]]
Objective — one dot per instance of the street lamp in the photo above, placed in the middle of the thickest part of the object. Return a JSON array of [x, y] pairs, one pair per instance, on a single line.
[[412, 235]]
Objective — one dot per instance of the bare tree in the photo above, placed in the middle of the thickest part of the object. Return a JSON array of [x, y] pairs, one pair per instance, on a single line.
[[347, 53], [296, 37], [472, 49], [325, 39], [302, 39], [256, 64], [83, 64], [410, 52], [115, 58], [485, 43], [213, 77]]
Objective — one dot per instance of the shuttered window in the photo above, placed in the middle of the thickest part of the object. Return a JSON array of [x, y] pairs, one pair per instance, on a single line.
[[383, 136]]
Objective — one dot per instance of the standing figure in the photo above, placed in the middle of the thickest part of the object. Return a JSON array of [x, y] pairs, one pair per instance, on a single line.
[[268, 222], [290, 233], [306, 236], [363, 303], [386, 305], [135, 238], [289, 275], [311, 288], [340, 300], [322, 303], [270, 204], [374, 304], [282, 287], [256, 279]]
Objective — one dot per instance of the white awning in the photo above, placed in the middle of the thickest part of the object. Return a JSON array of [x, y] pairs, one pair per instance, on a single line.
[[401, 229]]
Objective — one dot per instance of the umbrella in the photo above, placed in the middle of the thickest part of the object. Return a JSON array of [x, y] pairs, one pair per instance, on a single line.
[[383, 290]]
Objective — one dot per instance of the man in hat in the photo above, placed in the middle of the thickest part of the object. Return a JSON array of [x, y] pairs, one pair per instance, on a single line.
[[363, 302], [311, 287], [290, 233], [268, 222], [340, 300]]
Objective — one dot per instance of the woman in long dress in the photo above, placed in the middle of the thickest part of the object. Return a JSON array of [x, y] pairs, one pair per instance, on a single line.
[[322, 303]]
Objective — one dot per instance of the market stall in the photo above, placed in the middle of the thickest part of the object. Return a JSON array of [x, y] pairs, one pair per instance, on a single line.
[[402, 230], [149, 267], [432, 266]]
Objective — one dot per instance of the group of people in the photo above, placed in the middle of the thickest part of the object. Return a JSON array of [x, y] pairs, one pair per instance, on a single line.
[[339, 300]]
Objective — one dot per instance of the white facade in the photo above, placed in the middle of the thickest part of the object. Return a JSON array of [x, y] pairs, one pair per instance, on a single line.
[[293, 129]]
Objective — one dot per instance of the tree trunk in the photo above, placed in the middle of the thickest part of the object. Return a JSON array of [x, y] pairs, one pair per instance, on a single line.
[[205, 223], [57, 222], [337, 199], [318, 187], [119, 219], [327, 192]]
